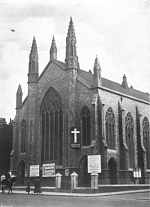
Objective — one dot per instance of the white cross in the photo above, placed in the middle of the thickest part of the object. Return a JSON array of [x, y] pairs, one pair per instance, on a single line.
[[75, 132]]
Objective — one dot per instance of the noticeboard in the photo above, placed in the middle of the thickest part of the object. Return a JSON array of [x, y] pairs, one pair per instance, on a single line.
[[34, 170], [48, 170], [137, 173], [94, 163]]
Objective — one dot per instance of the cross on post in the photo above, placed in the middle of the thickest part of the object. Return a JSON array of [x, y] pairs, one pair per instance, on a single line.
[[75, 132]]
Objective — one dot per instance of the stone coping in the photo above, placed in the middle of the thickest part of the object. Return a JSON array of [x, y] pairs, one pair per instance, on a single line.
[[82, 194]]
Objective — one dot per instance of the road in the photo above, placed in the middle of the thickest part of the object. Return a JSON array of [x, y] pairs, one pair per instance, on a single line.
[[126, 200]]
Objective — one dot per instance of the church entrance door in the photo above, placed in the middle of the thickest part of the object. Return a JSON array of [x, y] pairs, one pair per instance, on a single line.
[[112, 166], [21, 172], [84, 176]]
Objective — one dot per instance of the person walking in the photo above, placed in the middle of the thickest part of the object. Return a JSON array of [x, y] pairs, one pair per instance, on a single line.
[[9, 185], [3, 181], [28, 187], [37, 186]]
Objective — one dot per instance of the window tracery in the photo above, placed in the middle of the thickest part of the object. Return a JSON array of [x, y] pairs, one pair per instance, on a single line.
[[110, 128], [146, 140]]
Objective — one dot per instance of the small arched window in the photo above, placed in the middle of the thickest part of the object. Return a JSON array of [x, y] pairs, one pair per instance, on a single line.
[[129, 131], [110, 129], [23, 135], [86, 126], [146, 140]]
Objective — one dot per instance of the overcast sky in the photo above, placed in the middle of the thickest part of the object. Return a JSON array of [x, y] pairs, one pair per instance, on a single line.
[[118, 31]]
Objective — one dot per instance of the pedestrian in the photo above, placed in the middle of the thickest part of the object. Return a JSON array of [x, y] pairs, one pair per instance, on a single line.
[[28, 187], [9, 185], [3, 182], [37, 186]]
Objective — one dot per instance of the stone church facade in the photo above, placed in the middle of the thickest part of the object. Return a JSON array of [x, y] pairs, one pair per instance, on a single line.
[[112, 120]]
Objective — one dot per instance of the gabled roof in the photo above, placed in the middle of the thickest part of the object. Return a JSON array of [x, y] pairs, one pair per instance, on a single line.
[[88, 76], [58, 63], [129, 91], [106, 84]]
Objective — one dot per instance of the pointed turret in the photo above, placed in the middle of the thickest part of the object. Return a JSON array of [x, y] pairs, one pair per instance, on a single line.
[[71, 53], [19, 97], [53, 50], [33, 63], [97, 73], [124, 82]]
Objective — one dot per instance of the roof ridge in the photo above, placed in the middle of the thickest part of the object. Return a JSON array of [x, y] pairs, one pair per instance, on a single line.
[[110, 84]]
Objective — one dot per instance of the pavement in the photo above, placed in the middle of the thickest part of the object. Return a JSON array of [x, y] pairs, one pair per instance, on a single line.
[[72, 194], [124, 200]]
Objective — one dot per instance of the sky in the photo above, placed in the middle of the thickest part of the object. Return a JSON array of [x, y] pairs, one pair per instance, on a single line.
[[117, 31]]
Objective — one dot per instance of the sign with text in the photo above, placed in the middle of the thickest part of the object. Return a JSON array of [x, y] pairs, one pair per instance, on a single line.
[[137, 173], [94, 163], [34, 170], [48, 170]]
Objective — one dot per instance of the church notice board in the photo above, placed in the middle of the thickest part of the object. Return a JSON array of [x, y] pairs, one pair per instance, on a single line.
[[34, 170], [48, 170], [94, 163]]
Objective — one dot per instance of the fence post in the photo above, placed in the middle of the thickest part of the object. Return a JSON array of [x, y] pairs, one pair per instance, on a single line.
[[74, 180], [94, 181], [58, 180]]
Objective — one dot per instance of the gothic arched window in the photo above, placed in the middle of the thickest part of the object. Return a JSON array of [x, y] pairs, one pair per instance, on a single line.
[[23, 135], [129, 132], [31, 134], [86, 126], [146, 140], [51, 127], [110, 129]]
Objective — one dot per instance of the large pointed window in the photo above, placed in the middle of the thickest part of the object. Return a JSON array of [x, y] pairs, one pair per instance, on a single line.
[[52, 127], [146, 140], [31, 134], [110, 129], [23, 135], [86, 126], [129, 131]]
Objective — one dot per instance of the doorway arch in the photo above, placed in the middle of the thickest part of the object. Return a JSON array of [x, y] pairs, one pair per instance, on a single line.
[[84, 176], [112, 167], [21, 172]]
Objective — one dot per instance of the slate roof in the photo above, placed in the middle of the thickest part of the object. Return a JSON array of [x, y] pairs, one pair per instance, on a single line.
[[88, 76], [115, 86], [129, 91]]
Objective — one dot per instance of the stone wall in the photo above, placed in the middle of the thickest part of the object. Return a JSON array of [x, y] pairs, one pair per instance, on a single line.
[[74, 95]]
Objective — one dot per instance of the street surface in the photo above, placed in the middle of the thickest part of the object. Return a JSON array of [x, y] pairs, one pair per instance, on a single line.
[[126, 200]]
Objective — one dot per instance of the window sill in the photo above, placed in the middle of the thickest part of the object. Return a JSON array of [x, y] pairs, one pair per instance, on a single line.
[[87, 147], [75, 145], [112, 150]]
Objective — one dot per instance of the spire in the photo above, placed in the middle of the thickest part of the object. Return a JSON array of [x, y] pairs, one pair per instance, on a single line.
[[71, 53], [124, 82], [33, 63], [97, 67], [97, 73], [33, 52], [71, 31], [19, 97], [53, 50]]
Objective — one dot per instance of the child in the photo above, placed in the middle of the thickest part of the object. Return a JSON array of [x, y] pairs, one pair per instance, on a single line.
[[28, 188]]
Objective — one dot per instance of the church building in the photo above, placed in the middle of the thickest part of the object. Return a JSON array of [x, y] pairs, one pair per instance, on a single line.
[[70, 113]]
